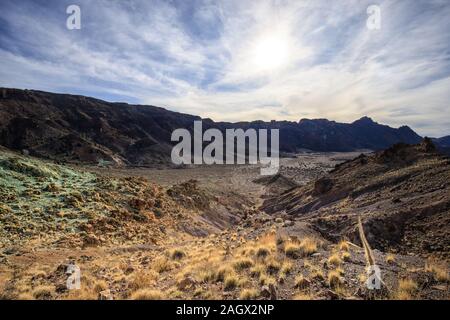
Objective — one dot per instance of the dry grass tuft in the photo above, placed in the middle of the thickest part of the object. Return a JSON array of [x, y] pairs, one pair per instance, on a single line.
[[343, 245], [264, 279], [334, 279], [231, 282], [162, 264], [302, 296], [346, 256], [249, 294], [286, 267], [272, 266], [308, 246], [317, 275], [301, 282], [406, 289], [242, 264], [390, 258], [292, 250], [257, 270], [439, 270], [334, 260], [262, 251], [177, 254], [25, 296], [142, 280], [43, 292], [147, 294], [223, 272], [100, 285]]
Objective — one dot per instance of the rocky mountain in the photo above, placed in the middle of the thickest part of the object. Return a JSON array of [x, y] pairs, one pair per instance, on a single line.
[[77, 128], [443, 144], [402, 195]]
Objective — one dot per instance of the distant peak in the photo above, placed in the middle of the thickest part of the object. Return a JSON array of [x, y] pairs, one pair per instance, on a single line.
[[365, 120]]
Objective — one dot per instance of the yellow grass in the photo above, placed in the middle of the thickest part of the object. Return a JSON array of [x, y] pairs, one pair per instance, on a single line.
[[439, 270], [162, 264], [242, 263], [334, 260], [43, 292], [406, 289], [343, 245], [302, 296], [231, 281], [248, 294], [301, 282], [334, 279], [147, 294], [308, 246], [390, 258]]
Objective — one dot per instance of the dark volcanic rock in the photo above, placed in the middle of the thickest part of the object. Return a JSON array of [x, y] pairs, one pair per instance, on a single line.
[[81, 129]]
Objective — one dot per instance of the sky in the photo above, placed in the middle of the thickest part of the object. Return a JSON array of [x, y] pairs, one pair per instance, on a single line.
[[240, 60]]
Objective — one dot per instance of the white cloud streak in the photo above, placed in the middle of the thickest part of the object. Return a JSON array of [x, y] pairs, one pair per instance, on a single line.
[[199, 57]]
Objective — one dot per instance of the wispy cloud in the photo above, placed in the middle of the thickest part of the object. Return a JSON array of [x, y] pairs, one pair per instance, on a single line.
[[240, 60]]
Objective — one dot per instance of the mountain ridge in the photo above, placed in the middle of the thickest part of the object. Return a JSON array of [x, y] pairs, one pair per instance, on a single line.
[[83, 129]]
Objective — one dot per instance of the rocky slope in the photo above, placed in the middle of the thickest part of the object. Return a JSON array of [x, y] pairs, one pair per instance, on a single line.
[[402, 195], [135, 239], [81, 129], [60, 206]]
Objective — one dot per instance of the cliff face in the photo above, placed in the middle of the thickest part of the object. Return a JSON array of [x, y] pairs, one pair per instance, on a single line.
[[76, 128]]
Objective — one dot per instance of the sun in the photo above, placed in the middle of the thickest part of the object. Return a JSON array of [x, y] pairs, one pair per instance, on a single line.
[[271, 52]]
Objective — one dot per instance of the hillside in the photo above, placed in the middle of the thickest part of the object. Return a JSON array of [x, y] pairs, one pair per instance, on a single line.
[[81, 129], [133, 238], [402, 195]]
